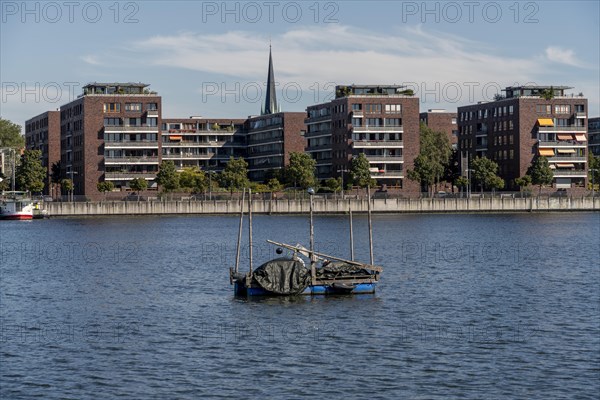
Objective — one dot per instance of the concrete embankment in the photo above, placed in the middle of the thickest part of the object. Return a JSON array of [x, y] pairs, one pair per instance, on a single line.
[[328, 206]]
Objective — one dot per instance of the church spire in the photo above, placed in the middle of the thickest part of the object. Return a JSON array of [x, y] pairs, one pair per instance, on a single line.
[[270, 99]]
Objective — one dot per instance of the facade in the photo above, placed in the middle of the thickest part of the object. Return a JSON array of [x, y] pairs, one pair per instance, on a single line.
[[594, 136], [442, 121], [42, 132], [378, 121], [110, 132], [513, 130], [200, 142]]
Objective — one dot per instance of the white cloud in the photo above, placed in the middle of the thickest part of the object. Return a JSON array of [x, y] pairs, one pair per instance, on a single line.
[[563, 56], [90, 59]]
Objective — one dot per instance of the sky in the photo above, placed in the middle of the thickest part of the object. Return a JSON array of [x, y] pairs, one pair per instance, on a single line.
[[210, 58]]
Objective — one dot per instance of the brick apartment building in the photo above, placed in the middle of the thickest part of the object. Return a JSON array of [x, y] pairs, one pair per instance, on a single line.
[[442, 121], [378, 121], [515, 129], [202, 142], [42, 132], [594, 136], [110, 132]]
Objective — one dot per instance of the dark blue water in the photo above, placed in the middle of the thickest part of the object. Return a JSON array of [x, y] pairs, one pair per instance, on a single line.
[[469, 306]]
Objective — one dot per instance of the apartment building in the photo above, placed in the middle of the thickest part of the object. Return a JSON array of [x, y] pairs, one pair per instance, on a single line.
[[380, 121], [110, 132], [42, 132], [594, 136], [202, 142], [442, 121], [529, 121]]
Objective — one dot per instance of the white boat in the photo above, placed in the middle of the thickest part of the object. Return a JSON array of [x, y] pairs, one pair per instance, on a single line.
[[16, 206]]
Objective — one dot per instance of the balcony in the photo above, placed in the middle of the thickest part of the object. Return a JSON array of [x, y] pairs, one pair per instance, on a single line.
[[123, 128], [387, 175], [194, 144], [318, 118], [567, 159], [377, 144], [127, 176], [568, 129], [319, 147], [357, 113], [188, 156], [558, 173], [398, 129], [130, 160], [323, 161], [152, 113], [562, 143], [128, 144], [386, 159], [323, 132], [252, 142], [580, 115]]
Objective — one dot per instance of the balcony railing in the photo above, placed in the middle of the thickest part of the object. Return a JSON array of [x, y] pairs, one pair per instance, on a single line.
[[319, 147], [580, 115], [387, 174], [123, 128], [252, 142], [131, 160], [152, 113], [140, 143], [318, 118], [205, 156], [568, 159], [567, 172], [194, 144], [386, 159], [562, 129], [378, 128], [377, 143], [563, 143], [121, 176]]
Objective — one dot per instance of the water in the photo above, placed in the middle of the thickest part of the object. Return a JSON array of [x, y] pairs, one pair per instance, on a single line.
[[469, 306]]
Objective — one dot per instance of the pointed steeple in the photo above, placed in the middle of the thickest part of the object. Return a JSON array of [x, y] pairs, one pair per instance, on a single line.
[[270, 99]]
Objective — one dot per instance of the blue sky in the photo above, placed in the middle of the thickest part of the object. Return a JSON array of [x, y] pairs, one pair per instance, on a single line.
[[210, 58]]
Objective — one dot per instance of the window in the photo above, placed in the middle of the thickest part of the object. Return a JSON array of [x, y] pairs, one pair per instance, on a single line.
[[356, 121], [112, 107], [152, 121], [544, 109], [579, 108], [133, 106], [453, 121], [373, 108], [356, 107], [373, 122], [393, 108], [152, 106], [112, 121], [511, 110], [562, 109], [393, 122]]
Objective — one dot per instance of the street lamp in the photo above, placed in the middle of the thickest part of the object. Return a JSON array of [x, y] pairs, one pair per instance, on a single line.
[[342, 171], [210, 172], [469, 178], [71, 172], [593, 171]]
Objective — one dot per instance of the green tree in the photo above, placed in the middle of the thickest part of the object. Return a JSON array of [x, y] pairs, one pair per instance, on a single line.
[[167, 176], [594, 169], [235, 175], [484, 172], [30, 173], [334, 184], [434, 155], [547, 94], [138, 185], [10, 135], [274, 185], [462, 182], [105, 187], [496, 182], [67, 186], [523, 182], [359, 173], [301, 170], [540, 172], [193, 179]]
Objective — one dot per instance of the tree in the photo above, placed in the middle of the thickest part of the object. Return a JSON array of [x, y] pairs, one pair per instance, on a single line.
[[496, 182], [138, 185], [484, 172], [105, 187], [334, 184], [167, 176], [523, 182], [301, 170], [67, 186], [360, 174], [594, 169], [194, 179], [274, 185], [434, 155], [30, 173], [452, 169], [10, 135], [235, 174], [55, 175], [462, 182], [547, 94], [540, 172]]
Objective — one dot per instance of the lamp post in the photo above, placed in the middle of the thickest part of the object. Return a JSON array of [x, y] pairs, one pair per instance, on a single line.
[[210, 172], [342, 171], [593, 171], [72, 183], [469, 178]]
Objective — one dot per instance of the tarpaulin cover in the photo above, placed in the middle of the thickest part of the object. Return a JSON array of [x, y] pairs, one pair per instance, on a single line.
[[282, 276], [338, 269]]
